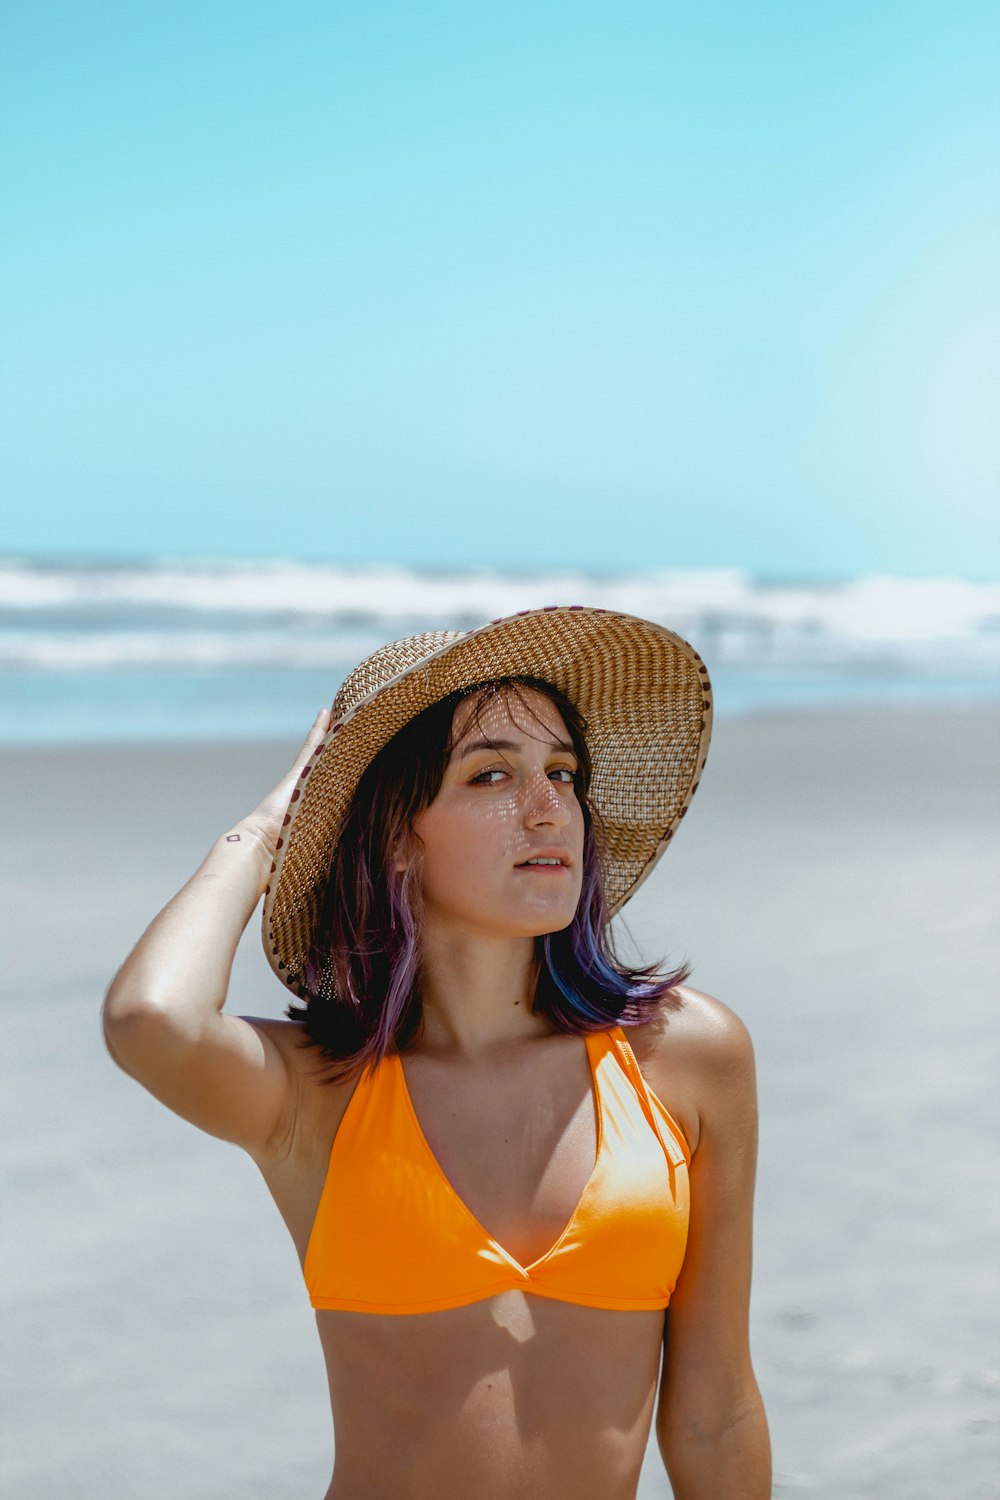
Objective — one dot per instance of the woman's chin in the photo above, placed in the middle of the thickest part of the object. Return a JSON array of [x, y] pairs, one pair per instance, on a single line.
[[544, 926]]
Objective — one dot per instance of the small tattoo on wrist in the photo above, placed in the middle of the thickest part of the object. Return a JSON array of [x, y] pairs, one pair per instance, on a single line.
[[232, 838]]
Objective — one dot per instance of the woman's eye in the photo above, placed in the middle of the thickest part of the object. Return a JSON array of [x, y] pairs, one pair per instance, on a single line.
[[485, 778]]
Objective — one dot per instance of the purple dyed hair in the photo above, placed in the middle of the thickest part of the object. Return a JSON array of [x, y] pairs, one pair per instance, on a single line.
[[363, 968]]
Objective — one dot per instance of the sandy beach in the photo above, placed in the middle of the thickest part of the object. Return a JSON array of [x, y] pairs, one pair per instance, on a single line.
[[836, 882]]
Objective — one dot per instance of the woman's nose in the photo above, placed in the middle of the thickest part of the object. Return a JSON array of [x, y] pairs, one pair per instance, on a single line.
[[543, 804]]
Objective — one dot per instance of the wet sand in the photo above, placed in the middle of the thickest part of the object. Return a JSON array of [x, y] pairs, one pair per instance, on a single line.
[[837, 882]]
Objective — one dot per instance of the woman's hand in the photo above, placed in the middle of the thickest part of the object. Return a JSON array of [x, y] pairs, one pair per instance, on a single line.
[[264, 824]]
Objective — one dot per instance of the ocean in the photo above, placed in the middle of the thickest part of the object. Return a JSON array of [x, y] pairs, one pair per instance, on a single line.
[[206, 649]]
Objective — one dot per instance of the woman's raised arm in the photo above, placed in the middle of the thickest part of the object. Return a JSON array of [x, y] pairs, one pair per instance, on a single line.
[[163, 1013]]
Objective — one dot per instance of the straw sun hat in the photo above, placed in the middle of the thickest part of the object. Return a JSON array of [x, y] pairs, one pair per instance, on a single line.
[[643, 691]]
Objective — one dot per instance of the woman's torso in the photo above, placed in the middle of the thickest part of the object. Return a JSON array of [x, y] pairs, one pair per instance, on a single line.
[[517, 1393]]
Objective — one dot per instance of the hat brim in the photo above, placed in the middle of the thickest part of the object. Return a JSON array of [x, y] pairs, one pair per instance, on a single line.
[[643, 690]]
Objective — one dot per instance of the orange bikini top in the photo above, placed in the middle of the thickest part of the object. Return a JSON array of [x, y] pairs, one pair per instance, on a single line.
[[391, 1235]]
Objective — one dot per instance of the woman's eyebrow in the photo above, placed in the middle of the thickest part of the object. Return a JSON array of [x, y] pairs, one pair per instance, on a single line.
[[462, 752]]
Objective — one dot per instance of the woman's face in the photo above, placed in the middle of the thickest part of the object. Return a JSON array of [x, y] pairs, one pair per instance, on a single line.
[[508, 795]]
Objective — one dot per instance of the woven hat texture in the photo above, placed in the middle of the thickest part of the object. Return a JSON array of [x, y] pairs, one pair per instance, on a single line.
[[643, 691]]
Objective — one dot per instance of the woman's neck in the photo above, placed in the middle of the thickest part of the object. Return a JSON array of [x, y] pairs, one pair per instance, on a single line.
[[477, 990]]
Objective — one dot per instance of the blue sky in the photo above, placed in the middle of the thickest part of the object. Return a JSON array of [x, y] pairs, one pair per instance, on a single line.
[[630, 285]]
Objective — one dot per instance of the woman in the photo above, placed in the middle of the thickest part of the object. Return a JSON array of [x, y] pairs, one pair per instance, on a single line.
[[492, 1204]]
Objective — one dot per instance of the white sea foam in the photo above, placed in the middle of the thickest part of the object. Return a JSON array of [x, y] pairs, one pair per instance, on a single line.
[[91, 617], [71, 651]]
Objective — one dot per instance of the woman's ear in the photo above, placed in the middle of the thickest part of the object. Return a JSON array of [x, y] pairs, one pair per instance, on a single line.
[[403, 856], [408, 846]]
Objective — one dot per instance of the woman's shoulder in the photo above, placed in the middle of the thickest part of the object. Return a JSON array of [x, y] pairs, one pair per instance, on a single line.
[[691, 1022], [321, 1102], [288, 1036], [303, 1057], [693, 1049]]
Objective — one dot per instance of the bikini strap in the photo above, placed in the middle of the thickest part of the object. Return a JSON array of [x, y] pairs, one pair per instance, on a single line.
[[673, 1149]]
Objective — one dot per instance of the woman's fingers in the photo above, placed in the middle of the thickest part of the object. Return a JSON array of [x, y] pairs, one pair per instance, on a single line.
[[267, 817], [319, 727]]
